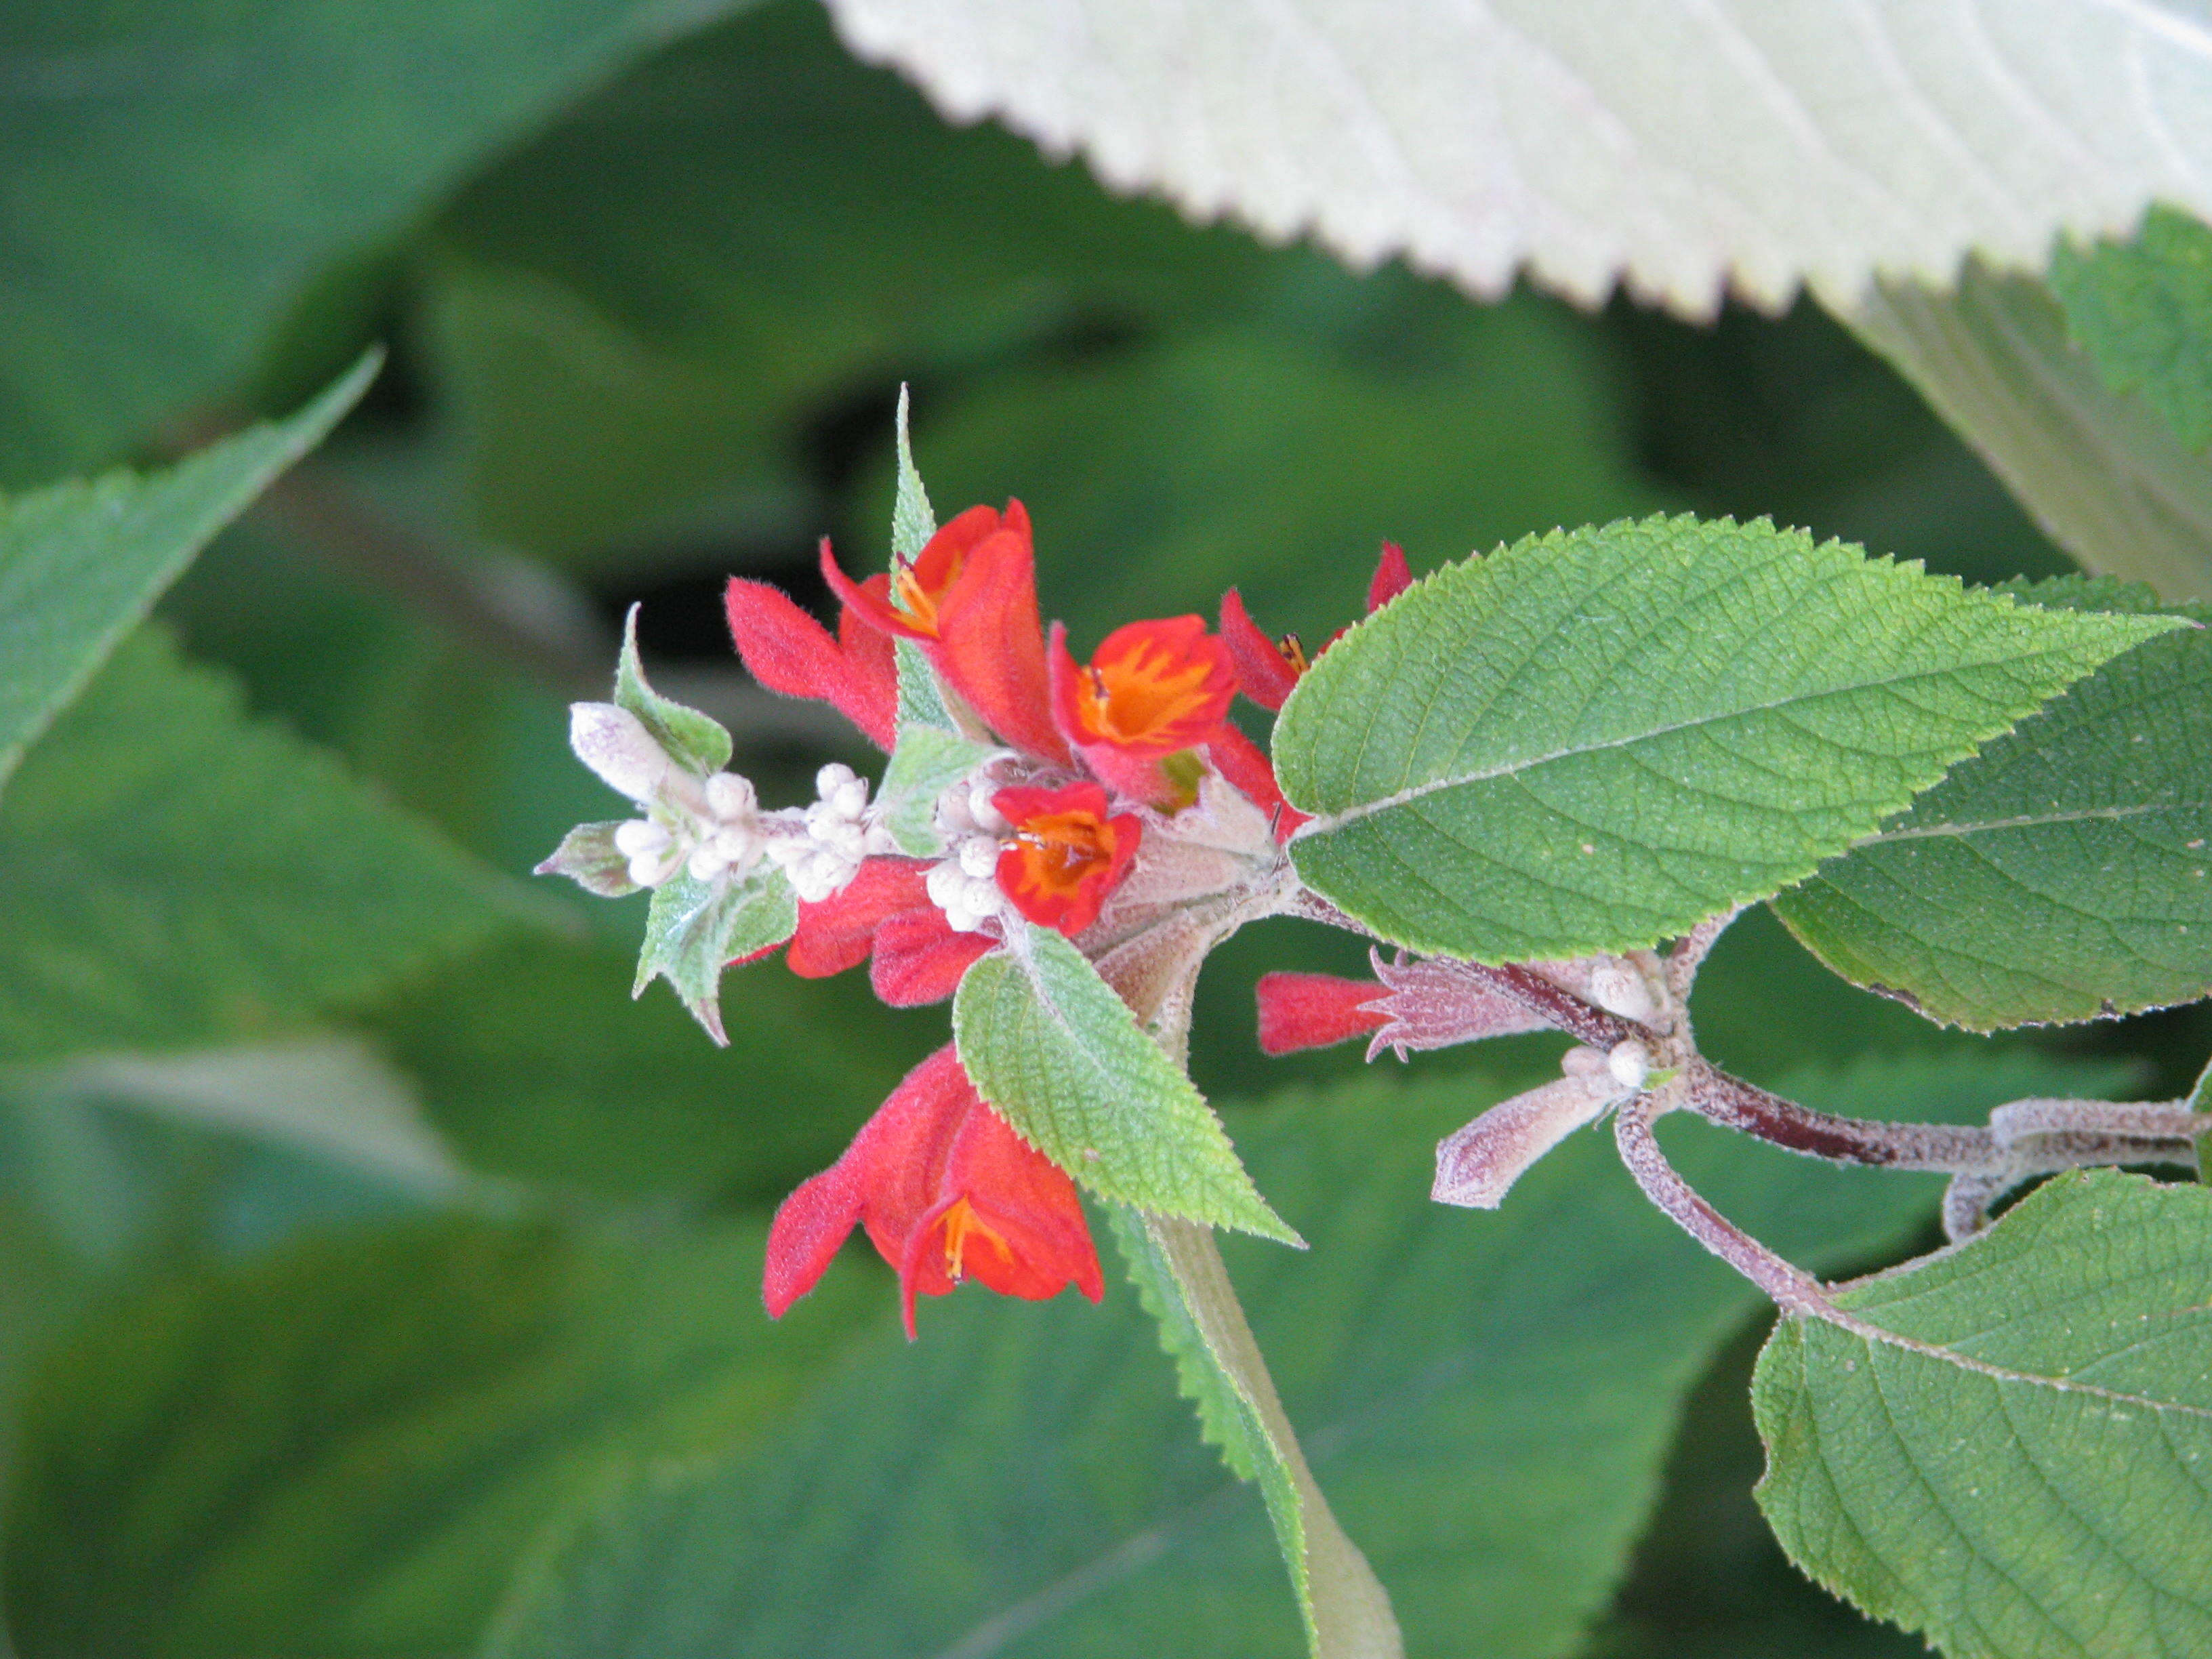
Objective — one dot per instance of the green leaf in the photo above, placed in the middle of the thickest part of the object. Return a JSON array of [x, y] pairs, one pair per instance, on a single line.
[[1050, 1045], [2023, 1469], [177, 174], [933, 751], [588, 856], [697, 928], [156, 827], [2102, 471], [2061, 873], [81, 564], [2143, 310], [1487, 1399], [913, 521], [345, 1450], [695, 739], [1594, 739], [929, 760], [1179, 1274]]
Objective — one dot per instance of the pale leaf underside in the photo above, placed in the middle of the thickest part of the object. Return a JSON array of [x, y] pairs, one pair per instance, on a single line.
[[1827, 143]]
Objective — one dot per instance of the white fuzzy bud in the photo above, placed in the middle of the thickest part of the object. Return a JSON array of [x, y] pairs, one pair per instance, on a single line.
[[729, 796], [651, 869], [1629, 1064], [984, 811], [1579, 1061], [614, 743], [706, 862], [844, 794], [944, 884], [979, 858], [953, 819], [641, 838], [1618, 988]]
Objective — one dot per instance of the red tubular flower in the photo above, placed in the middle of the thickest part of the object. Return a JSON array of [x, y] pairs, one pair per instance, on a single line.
[[970, 600], [1392, 577], [1316, 1011], [1243, 762], [885, 912], [840, 932], [920, 958], [946, 1192], [1151, 690], [1068, 854], [1410, 1005], [1267, 669], [791, 653]]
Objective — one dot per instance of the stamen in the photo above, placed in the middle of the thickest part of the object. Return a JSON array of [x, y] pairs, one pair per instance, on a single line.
[[960, 1221], [911, 600], [1294, 652]]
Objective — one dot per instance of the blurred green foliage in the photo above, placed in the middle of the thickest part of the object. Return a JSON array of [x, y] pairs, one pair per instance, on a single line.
[[649, 314]]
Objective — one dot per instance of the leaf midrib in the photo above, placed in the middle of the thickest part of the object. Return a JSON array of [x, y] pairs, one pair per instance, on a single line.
[[1322, 822]]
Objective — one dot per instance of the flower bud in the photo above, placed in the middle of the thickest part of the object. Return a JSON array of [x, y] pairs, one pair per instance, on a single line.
[[640, 838], [979, 858], [1580, 1061], [707, 861], [983, 810], [1629, 1064], [614, 743], [651, 869], [730, 796], [1476, 1165]]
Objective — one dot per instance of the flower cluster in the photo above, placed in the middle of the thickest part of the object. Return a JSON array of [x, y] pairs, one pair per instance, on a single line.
[[1092, 770], [1112, 801]]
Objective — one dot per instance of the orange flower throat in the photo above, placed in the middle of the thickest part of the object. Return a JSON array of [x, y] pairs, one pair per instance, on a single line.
[[1148, 697], [914, 602], [960, 1224], [1060, 850]]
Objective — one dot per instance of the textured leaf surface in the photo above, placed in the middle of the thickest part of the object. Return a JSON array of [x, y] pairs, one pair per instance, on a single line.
[[696, 740], [171, 174], [1476, 138], [2034, 1480], [155, 826], [80, 563], [931, 752], [2143, 310], [1486, 1399], [342, 1450], [695, 928], [2061, 873], [1594, 739], [2102, 471], [1050, 1046]]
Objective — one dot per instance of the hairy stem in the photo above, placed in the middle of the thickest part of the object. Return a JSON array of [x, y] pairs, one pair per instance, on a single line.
[[1735, 1104], [1792, 1289]]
